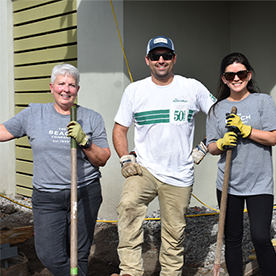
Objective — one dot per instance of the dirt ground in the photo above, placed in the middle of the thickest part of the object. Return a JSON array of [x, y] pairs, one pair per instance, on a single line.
[[103, 259]]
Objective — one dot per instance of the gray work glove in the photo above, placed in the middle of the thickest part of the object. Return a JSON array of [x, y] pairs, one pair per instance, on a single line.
[[129, 167]]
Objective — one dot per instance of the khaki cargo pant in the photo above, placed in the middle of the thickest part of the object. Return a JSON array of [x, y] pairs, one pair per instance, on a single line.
[[138, 192]]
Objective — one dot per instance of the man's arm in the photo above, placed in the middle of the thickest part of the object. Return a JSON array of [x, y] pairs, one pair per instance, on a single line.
[[120, 139], [5, 135]]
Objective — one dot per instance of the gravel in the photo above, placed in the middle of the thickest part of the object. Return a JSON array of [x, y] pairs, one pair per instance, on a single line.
[[200, 236]]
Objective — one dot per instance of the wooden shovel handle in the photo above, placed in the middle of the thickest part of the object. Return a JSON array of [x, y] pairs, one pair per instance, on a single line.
[[223, 205], [74, 201]]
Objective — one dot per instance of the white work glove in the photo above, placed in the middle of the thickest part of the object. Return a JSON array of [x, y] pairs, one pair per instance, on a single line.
[[129, 167], [199, 152]]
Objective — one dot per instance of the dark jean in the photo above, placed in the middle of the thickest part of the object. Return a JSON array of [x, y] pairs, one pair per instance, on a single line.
[[52, 220], [260, 208]]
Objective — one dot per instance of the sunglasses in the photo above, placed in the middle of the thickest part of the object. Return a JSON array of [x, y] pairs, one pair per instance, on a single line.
[[156, 56], [231, 75]]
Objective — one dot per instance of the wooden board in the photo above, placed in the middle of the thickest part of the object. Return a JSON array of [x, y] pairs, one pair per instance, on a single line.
[[16, 235]]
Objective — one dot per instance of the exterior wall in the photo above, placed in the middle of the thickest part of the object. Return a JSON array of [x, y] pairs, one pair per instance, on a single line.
[[202, 36], [203, 33], [258, 43], [102, 82], [7, 149], [44, 34]]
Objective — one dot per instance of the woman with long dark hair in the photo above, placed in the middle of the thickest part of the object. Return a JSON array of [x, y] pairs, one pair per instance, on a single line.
[[250, 133]]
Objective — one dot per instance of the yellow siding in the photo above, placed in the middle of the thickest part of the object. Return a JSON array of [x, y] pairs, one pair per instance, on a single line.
[[18, 109], [45, 41], [24, 180], [24, 191], [23, 153], [38, 70], [43, 12], [45, 34], [24, 142], [48, 55], [32, 85], [49, 25], [26, 98], [24, 167], [20, 5]]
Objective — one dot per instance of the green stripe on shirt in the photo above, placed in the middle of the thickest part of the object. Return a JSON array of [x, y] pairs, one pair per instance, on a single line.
[[152, 117]]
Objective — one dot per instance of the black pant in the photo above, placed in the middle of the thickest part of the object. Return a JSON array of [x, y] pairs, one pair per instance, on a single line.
[[260, 209], [52, 222]]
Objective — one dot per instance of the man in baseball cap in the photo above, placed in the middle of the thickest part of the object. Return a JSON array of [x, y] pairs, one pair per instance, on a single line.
[[162, 108]]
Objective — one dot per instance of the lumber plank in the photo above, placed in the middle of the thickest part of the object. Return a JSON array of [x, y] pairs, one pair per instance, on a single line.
[[16, 235]]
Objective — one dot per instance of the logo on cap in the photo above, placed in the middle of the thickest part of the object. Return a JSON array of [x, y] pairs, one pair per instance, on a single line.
[[160, 40]]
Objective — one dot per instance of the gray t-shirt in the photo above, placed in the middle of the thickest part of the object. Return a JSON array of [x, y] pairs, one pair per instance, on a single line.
[[47, 134], [251, 168]]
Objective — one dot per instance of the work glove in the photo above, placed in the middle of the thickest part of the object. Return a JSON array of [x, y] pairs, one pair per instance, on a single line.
[[235, 122], [199, 152], [228, 141], [75, 131], [129, 167]]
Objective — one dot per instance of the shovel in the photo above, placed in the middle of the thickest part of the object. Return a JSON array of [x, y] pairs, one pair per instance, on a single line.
[[74, 201], [223, 205]]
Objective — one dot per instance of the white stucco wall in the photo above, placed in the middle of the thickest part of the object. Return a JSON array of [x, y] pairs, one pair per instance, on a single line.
[[101, 65], [7, 150], [203, 33]]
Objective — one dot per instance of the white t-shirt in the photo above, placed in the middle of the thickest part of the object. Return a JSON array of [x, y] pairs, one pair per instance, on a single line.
[[164, 125]]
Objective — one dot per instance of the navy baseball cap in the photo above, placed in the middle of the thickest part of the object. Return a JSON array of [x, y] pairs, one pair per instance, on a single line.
[[160, 41]]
